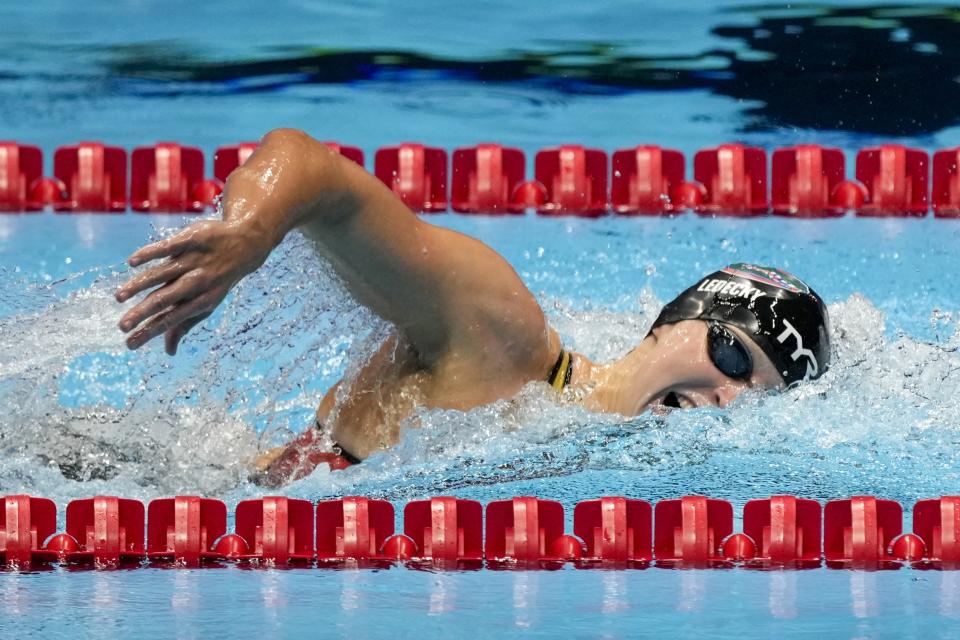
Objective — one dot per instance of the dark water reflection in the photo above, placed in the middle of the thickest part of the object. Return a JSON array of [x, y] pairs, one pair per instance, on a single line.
[[890, 70]]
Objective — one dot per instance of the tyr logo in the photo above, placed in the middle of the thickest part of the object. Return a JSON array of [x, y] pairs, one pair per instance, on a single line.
[[812, 367]]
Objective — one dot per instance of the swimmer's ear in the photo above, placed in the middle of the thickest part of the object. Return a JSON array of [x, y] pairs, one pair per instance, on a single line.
[[173, 336]]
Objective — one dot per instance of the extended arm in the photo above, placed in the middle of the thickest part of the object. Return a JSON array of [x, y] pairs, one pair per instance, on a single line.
[[443, 290]]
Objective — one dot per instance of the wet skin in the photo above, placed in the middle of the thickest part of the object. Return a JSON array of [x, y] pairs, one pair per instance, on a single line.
[[467, 330]]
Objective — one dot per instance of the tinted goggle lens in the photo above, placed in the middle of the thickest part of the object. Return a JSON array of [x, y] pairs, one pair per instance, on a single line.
[[728, 353]]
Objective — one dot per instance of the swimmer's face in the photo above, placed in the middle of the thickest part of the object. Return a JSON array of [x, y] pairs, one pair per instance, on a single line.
[[685, 375]]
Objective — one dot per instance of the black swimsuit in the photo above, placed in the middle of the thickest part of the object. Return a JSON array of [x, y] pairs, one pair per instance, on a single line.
[[560, 375], [346, 455], [559, 378], [336, 448]]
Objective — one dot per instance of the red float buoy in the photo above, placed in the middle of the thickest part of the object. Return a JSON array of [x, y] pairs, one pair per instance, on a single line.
[[908, 547], [739, 546], [400, 547], [689, 195], [530, 194], [567, 547], [232, 546], [849, 194], [63, 543]]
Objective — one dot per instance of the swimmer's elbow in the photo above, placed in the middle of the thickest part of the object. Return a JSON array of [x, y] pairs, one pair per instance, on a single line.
[[297, 172], [312, 160], [286, 158], [285, 137]]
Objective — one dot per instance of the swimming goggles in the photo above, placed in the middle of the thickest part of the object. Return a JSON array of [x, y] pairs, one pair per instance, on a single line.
[[728, 353]]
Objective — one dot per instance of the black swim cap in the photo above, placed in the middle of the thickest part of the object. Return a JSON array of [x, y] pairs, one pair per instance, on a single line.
[[783, 316]]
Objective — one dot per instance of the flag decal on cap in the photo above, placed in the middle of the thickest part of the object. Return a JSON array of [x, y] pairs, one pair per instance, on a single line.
[[773, 277]]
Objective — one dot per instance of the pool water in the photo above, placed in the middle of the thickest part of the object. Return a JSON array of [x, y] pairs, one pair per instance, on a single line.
[[82, 416], [882, 422], [579, 604]]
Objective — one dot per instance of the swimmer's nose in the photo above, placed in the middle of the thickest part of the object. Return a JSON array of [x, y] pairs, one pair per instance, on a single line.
[[726, 393]]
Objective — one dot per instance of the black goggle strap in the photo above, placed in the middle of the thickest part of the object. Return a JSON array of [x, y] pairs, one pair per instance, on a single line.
[[728, 353]]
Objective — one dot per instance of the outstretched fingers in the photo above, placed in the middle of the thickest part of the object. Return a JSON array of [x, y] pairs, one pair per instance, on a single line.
[[167, 320], [152, 277], [168, 248], [173, 336], [166, 296]]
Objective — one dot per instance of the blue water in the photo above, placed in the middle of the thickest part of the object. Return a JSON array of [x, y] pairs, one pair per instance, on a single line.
[[578, 604], [83, 416]]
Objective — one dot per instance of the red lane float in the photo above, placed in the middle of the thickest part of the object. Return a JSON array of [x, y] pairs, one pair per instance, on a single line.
[[574, 180], [734, 180], [21, 174], [946, 183], [228, 158], [91, 176], [274, 529], [786, 530], [616, 530], [862, 532], [416, 173], [183, 530], [445, 530], [107, 531], [689, 531], [169, 178], [487, 178], [937, 524], [858, 532], [27, 524], [647, 180], [354, 528], [806, 181], [528, 531], [896, 180], [351, 153]]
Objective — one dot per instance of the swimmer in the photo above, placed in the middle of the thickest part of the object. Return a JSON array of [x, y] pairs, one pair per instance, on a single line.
[[467, 331]]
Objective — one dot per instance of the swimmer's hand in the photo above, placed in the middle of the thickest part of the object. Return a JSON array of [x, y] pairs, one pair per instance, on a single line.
[[264, 471], [203, 262], [265, 460]]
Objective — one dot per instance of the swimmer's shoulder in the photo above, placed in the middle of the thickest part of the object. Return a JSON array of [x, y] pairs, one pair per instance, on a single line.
[[524, 338], [501, 352]]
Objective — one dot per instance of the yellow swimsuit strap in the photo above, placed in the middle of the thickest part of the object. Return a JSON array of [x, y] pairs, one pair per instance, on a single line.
[[560, 375]]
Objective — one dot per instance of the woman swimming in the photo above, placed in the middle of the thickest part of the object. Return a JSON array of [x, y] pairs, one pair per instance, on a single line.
[[467, 330]]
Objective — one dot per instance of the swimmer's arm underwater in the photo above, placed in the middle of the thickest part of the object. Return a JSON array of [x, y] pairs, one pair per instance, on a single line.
[[447, 293]]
